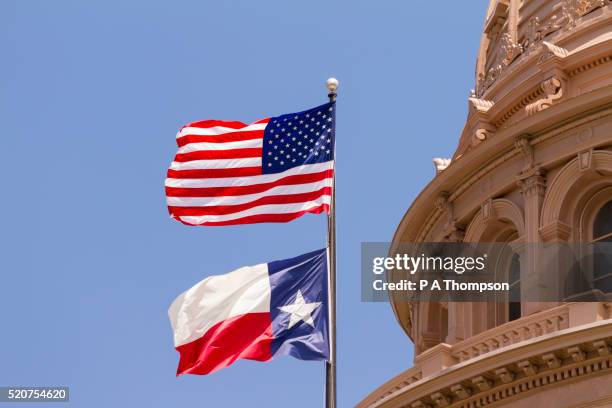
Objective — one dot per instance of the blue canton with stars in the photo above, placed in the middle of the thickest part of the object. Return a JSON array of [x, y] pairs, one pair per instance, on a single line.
[[296, 139]]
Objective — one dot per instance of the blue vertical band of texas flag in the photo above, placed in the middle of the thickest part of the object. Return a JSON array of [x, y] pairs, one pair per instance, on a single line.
[[300, 281], [257, 312], [273, 170]]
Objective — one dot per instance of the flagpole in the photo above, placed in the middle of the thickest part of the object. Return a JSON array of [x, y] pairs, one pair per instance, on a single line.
[[330, 366]]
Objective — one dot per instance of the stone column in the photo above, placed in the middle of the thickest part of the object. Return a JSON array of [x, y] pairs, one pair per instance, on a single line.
[[532, 184], [513, 20], [459, 321], [459, 313]]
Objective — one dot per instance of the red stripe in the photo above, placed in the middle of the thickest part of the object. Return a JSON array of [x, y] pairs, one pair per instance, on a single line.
[[242, 190], [233, 124], [256, 219], [222, 138], [218, 154], [214, 173], [229, 209], [212, 123], [247, 336]]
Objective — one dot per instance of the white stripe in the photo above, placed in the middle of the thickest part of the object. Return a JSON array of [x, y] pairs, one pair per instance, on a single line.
[[241, 199], [218, 298], [218, 130], [248, 180], [243, 144], [216, 164], [262, 209]]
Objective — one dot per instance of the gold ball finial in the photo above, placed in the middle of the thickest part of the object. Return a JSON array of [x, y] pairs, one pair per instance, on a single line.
[[332, 85]]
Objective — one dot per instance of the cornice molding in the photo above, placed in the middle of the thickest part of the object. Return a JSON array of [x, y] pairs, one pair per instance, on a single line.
[[513, 372]]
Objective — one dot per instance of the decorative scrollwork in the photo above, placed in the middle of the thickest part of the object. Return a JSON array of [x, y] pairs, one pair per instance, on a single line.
[[553, 90]]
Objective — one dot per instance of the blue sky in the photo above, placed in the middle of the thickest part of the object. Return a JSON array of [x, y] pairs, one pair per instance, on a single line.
[[92, 94]]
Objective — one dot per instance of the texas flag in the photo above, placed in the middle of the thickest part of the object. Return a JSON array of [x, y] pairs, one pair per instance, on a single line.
[[256, 313]]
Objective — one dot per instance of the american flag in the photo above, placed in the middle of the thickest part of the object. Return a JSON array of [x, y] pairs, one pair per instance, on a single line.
[[273, 170]]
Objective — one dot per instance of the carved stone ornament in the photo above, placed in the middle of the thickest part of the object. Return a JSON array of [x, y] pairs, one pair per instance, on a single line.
[[441, 164], [572, 10], [482, 383], [523, 144], [460, 391], [601, 347], [440, 400], [483, 128], [528, 367], [551, 360], [483, 131], [585, 160], [551, 50], [480, 105], [510, 50], [488, 213], [481, 134], [486, 80], [533, 35], [533, 182], [505, 376], [576, 354], [553, 91], [536, 31]]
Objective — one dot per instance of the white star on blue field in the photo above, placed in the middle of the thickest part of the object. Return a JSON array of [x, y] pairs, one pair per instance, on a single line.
[[299, 138]]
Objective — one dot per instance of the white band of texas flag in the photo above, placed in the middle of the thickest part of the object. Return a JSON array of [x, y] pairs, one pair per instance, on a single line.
[[255, 312], [273, 170]]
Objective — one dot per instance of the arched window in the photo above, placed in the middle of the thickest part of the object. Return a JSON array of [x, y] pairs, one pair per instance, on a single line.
[[514, 279], [602, 227], [508, 269], [602, 239]]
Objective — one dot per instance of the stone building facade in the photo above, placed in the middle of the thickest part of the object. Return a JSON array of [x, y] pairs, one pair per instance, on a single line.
[[533, 165]]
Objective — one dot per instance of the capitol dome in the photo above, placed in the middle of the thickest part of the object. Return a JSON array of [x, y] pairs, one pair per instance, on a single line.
[[533, 166]]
